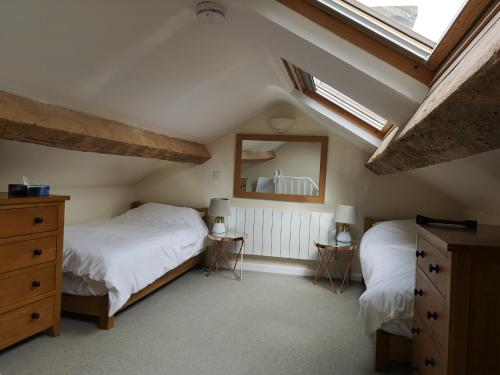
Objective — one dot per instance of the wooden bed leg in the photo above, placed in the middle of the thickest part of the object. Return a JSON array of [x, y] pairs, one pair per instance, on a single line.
[[382, 352], [106, 322]]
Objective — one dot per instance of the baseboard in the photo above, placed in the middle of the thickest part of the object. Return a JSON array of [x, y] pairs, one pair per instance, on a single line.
[[284, 269]]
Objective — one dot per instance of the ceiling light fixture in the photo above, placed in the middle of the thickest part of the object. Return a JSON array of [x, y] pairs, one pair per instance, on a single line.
[[210, 12], [281, 124]]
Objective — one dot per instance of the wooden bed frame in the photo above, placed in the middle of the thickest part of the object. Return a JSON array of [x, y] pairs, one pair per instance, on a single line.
[[97, 306], [389, 347]]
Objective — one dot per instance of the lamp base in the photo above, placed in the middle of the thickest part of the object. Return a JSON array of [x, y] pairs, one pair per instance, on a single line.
[[344, 238], [219, 228]]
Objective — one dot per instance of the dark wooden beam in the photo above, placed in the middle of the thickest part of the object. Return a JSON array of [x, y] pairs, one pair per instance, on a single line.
[[460, 117], [26, 120]]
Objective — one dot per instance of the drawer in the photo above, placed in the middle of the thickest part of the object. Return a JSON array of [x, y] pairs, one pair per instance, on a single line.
[[26, 285], [22, 254], [426, 355], [433, 308], [435, 264], [26, 321], [19, 221]]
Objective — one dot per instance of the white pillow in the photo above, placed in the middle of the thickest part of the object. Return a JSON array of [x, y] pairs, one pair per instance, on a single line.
[[160, 215]]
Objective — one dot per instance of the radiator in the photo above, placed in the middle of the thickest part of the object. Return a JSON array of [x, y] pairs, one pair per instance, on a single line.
[[280, 233]]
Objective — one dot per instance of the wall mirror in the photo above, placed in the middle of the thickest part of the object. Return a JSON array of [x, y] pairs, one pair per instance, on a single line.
[[281, 167]]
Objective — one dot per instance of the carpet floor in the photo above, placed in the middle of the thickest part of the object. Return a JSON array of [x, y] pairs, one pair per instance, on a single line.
[[264, 324]]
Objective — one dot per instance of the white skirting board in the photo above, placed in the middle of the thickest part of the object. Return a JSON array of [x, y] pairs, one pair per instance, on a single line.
[[283, 269], [280, 233]]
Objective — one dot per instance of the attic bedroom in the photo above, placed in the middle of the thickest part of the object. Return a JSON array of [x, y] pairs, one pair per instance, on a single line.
[[249, 187]]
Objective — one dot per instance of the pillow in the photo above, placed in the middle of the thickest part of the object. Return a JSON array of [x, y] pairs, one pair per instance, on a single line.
[[159, 215]]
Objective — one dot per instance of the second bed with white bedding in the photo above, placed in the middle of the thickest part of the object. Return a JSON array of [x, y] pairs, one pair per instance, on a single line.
[[121, 256], [388, 263]]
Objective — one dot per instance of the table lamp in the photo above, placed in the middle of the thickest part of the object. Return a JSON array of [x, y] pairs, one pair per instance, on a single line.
[[219, 207], [345, 215]]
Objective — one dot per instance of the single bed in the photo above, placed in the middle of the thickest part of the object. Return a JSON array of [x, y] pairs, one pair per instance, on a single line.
[[111, 264], [388, 262]]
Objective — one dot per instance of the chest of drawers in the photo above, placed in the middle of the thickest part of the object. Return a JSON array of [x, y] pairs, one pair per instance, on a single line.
[[456, 327], [31, 246]]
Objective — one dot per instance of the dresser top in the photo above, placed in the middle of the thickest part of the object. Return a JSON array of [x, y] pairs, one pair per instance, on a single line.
[[5, 199], [486, 237]]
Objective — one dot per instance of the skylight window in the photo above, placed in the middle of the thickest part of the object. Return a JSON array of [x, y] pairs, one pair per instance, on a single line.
[[415, 25], [343, 101], [344, 106]]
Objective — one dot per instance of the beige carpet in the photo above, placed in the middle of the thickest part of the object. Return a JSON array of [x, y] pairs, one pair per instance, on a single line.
[[265, 324]]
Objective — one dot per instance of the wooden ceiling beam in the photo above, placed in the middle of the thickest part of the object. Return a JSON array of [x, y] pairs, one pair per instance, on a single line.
[[460, 117], [26, 120]]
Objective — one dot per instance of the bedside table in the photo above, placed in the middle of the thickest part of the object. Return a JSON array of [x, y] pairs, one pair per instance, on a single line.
[[222, 240], [327, 251]]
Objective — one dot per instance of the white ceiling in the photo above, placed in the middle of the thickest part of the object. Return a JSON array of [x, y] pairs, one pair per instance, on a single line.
[[150, 63]]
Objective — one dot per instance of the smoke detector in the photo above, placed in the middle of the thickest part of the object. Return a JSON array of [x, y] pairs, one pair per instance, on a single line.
[[210, 12]]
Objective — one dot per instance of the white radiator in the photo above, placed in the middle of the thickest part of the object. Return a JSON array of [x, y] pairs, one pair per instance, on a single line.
[[280, 233]]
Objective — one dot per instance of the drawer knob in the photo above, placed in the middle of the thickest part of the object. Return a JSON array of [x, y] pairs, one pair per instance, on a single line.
[[418, 292], [434, 268], [432, 315], [36, 284], [37, 252], [415, 331], [38, 220], [414, 369], [420, 254], [429, 361], [35, 316]]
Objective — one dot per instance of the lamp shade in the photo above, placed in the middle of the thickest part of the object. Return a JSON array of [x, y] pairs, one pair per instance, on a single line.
[[346, 214], [219, 207]]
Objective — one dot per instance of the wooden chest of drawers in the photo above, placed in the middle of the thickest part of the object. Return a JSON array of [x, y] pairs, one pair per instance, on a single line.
[[456, 327], [31, 246]]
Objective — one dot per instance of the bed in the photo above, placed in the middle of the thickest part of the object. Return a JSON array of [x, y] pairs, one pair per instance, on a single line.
[[388, 262], [111, 264]]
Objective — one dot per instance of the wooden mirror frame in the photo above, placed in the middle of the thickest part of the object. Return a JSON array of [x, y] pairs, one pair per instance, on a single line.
[[237, 193]]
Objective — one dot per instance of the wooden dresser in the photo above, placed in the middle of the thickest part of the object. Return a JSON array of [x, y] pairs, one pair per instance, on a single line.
[[31, 247], [457, 302]]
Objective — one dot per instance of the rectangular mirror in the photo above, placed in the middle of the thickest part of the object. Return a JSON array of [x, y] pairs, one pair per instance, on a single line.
[[281, 167]]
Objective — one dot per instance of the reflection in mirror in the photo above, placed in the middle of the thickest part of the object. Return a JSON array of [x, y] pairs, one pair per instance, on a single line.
[[280, 167]]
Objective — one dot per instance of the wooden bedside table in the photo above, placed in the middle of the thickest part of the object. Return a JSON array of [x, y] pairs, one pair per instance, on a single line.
[[327, 251], [222, 240]]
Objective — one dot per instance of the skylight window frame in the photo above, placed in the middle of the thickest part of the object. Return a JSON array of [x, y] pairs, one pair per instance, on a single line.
[[350, 109], [468, 23], [348, 104], [381, 26]]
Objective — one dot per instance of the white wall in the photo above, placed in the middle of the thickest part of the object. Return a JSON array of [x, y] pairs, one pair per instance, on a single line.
[[100, 186], [90, 204], [348, 181]]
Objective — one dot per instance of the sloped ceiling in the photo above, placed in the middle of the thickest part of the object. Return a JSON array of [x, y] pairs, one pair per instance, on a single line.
[[67, 169], [473, 181], [150, 63]]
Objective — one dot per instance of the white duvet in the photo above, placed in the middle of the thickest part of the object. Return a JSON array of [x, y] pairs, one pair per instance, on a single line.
[[388, 262], [131, 251]]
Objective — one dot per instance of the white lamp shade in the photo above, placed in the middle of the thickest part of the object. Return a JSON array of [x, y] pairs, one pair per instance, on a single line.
[[346, 214], [219, 207]]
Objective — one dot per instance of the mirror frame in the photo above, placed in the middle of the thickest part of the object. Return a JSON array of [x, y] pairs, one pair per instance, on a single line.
[[237, 193]]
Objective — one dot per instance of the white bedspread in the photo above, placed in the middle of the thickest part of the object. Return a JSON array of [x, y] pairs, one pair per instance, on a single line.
[[388, 263], [131, 251]]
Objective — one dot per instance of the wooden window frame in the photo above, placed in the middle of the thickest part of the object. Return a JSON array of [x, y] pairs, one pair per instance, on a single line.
[[466, 23], [299, 81]]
